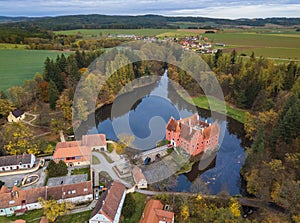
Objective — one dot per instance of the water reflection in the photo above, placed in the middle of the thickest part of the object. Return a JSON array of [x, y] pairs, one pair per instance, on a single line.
[[147, 116]]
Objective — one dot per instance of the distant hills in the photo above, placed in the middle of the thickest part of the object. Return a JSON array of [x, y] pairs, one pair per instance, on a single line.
[[95, 21]]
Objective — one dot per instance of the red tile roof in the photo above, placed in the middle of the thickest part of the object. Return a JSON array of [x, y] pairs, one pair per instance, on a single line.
[[80, 151], [173, 125], [110, 201], [93, 140], [154, 212], [211, 130], [68, 144], [31, 195], [138, 174], [4, 189], [163, 215], [19, 221]]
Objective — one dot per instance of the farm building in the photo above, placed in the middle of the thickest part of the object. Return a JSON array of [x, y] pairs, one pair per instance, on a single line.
[[16, 116], [139, 178], [16, 162]]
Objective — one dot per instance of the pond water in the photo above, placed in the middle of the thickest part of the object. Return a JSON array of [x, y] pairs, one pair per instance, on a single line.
[[144, 113]]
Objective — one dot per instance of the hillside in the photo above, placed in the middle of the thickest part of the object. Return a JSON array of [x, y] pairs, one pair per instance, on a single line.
[[95, 21]]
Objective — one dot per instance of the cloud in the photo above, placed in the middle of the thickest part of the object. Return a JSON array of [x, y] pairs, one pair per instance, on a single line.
[[209, 8]]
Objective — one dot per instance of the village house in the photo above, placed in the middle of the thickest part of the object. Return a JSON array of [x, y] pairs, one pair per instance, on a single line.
[[16, 116], [192, 135], [16, 200], [109, 206], [94, 141], [17, 162], [154, 213], [78, 153], [139, 178], [72, 153]]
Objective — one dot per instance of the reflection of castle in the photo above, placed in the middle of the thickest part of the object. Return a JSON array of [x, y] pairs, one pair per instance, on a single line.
[[192, 135]]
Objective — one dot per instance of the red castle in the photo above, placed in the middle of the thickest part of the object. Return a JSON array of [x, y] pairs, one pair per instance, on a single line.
[[192, 135]]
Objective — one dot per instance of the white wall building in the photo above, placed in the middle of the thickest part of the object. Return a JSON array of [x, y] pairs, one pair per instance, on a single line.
[[17, 162]]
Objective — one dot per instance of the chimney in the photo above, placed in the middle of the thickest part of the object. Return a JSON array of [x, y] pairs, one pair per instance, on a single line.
[[190, 129], [190, 122]]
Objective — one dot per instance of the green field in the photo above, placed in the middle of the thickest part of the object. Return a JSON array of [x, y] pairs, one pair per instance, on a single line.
[[270, 45], [267, 42], [16, 66]]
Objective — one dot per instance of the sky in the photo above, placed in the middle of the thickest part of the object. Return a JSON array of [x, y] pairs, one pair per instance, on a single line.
[[231, 9]]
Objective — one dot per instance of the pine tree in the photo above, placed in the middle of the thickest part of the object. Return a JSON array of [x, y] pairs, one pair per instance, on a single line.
[[53, 94]]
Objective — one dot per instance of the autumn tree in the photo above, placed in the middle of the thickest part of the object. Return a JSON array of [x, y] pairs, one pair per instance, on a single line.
[[53, 210], [57, 169], [184, 213], [19, 139], [64, 103], [18, 96], [5, 107]]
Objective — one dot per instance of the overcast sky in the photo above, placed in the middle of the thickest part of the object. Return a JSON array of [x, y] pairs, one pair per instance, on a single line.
[[209, 8]]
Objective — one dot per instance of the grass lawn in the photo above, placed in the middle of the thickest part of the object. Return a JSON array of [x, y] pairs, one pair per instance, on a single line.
[[235, 113], [75, 218], [95, 160], [16, 66], [28, 217], [140, 200], [82, 171]]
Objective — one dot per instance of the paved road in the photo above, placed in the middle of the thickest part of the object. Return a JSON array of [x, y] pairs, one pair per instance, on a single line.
[[86, 208], [107, 167]]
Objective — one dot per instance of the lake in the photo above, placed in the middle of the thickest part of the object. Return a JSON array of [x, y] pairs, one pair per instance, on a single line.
[[144, 113]]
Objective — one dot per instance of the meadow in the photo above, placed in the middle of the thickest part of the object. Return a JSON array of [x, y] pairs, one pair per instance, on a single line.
[[270, 45], [16, 65]]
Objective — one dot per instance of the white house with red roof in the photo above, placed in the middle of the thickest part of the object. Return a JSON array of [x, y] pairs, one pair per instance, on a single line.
[[109, 206], [139, 178]]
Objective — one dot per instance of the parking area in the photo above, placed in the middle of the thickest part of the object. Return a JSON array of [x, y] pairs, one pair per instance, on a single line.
[[12, 179], [56, 181]]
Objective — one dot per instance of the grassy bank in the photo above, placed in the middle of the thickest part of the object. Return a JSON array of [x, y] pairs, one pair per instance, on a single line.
[[235, 113], [31, 216]]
